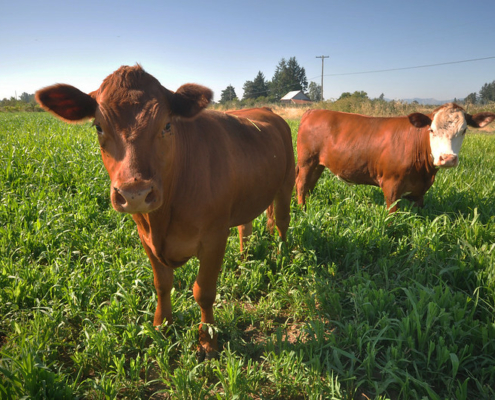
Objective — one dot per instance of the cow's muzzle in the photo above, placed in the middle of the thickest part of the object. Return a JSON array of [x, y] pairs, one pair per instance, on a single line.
[[135, 198], [447, 161]]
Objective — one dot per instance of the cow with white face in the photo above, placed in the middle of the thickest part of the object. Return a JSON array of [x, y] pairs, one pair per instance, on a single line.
[[446, 135], [401, 155]]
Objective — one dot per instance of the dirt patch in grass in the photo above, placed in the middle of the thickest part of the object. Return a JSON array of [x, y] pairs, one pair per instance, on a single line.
[[3, 339]]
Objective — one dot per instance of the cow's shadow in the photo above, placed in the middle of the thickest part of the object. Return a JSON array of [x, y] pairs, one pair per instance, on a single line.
[[439, 201], [331, 255], [453, 201]]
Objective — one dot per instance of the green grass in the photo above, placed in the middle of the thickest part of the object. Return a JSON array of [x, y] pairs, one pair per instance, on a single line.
[[357, 303]]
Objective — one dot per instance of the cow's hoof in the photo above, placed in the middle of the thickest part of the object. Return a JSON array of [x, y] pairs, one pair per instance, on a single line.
[[202, 355]]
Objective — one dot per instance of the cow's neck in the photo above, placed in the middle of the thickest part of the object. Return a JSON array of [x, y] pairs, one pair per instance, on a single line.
[[424, 158], [153, 227]]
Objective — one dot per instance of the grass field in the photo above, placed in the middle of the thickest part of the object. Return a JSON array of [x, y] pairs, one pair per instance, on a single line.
[[356, 305]]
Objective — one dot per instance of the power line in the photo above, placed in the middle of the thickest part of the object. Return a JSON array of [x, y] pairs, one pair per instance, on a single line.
[[397, 69], [406, 68]]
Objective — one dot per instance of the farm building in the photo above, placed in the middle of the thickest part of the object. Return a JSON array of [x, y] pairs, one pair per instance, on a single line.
[[295, 97]]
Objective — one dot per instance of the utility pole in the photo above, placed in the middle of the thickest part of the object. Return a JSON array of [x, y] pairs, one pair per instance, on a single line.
[[322, 61]]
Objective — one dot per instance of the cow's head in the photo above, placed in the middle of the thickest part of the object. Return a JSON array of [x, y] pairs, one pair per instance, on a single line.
[[447, 125], [134, 119]]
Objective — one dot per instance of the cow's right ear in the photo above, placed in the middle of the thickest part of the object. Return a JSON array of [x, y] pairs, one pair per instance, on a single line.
[[189, 100], [419, 120], [67, 102]]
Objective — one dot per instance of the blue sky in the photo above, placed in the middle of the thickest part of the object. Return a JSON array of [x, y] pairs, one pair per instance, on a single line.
[[218, 43]]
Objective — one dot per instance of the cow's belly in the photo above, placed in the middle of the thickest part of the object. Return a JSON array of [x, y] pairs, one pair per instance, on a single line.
[[415, 186], [355, 178], [251, 206], [257, 192], [351, 168]]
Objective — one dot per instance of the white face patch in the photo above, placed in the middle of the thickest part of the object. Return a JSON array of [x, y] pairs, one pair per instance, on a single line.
[[446, 136]]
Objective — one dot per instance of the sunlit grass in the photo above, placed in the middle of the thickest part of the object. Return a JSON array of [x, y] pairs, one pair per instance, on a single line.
[[357, 302]]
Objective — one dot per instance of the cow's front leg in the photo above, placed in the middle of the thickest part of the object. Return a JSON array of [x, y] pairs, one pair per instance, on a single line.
[[205, 290], [418, 201], [163, 278], [392, 193]]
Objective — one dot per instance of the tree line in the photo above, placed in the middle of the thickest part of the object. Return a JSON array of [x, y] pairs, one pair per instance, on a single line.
[[484, 96], [25, 102], [289, 76]]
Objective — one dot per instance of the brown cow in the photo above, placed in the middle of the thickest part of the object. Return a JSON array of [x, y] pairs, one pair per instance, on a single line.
[[401, 155], [186, 176]]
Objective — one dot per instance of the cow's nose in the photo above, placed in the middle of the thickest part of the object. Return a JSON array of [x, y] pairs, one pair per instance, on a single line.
[[131, 200], [448, 160]]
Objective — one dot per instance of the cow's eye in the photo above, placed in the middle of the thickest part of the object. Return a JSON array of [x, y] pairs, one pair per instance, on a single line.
[[166, 129], [98, 129]]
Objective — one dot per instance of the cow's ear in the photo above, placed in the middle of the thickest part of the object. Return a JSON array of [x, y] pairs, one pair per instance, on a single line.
[[480, 120], [189, 100], [67, 102], [419, 120]]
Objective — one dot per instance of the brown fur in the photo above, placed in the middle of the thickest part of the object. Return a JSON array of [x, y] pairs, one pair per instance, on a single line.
[[186, 175], [392, 153]]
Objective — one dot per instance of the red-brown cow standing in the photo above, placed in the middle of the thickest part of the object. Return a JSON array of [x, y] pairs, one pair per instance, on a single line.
[[401, 155], [185, 175]]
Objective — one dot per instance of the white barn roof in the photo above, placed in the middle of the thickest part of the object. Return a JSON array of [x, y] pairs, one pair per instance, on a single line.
[[295, 95]]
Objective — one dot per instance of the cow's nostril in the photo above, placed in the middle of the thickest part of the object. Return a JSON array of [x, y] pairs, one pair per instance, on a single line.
[[119, 199], [150, 198]]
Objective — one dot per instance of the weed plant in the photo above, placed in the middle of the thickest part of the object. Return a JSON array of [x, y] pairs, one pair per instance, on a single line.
[[356, 304]]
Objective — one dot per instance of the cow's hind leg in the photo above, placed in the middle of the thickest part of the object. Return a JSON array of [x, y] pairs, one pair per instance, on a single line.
[[307, 177], [281, 207], [245, 232], [270, 215], [205, 290]]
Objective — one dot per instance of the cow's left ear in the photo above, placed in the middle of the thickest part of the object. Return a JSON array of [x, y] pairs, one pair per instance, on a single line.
[[479, 120], [189, 100], [419, 120]]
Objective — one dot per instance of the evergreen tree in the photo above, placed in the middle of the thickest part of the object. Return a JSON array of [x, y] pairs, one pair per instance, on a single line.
[[256, 88], [228, 95], [487, 93], [471, 98], [289, 76]]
